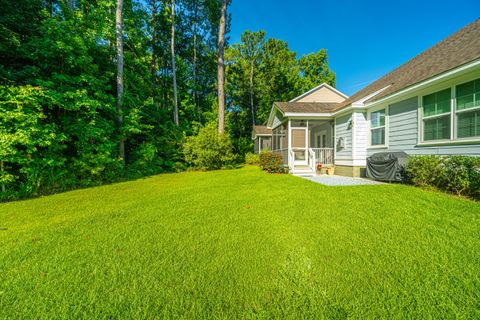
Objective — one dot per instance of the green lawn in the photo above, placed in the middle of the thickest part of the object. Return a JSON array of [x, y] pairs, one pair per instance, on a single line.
[[240, 244]]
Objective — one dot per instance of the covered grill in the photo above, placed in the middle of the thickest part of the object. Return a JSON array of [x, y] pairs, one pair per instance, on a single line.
[[387, 166]]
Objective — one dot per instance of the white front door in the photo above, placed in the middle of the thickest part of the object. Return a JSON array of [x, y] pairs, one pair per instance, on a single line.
[[299, 146]]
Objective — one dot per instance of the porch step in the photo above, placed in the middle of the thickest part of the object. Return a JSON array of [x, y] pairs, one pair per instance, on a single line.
[[302, 171]]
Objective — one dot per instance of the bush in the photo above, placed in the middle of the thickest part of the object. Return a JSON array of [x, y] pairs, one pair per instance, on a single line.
[[252, 158], [208, 149], [455, 174], [271, 162]]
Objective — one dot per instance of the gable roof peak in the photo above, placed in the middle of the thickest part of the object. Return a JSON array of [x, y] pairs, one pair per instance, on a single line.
[[323, 85]]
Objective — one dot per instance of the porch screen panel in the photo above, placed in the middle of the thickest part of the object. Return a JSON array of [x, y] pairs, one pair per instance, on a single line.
[[298, 138], [284, 136]]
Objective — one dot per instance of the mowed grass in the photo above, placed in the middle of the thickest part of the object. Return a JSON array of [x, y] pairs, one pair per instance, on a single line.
[[240, 244]]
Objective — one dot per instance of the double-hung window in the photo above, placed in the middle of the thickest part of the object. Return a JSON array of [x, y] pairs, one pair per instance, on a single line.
[[437, 115], [468, 109], [377, 128]]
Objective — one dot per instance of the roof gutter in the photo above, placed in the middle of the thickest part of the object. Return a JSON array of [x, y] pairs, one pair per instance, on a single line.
[[305, 114], [443, 76]]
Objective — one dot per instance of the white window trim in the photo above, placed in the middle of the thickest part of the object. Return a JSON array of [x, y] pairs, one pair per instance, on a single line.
[[421, 118], [455, 116], [369, 127], [453, 119]]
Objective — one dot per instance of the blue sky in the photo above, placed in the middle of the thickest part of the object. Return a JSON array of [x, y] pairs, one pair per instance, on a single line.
[[364, 39]]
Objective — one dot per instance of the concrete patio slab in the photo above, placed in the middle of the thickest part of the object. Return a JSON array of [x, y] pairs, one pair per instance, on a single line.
[[340, 180]]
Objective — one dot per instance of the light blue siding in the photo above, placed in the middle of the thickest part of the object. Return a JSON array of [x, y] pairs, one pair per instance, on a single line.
[[403, 133], [343, 131]]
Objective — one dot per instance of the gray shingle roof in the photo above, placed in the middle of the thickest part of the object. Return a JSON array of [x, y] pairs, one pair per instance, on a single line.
[[306, 107], [261, 130]]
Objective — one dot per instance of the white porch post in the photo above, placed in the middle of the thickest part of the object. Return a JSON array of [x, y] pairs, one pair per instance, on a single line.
[[290, 161]]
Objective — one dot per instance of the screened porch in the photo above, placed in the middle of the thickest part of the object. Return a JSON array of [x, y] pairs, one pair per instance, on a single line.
[[304, 143]]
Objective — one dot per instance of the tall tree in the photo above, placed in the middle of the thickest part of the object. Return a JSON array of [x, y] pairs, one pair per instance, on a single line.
[[315, 70], [120, 84], [221, 68], [253, 46], [194, 86], [153, 65], [174, 68]]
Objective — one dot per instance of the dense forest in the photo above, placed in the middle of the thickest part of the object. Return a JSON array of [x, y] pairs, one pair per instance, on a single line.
[[93, 91]]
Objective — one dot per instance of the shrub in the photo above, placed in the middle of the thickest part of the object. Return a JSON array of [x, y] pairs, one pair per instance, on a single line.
[[271, 162], [455, 174], [208, 149], [426, 171], [252, 158]]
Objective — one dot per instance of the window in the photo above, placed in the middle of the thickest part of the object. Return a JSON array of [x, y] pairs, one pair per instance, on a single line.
[[468, 109], [436, 115], [377, 128]]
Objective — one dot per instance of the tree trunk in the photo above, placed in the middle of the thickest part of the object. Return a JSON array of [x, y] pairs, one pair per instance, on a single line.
[[252, 107], [221, 69], [49, 5], [120, 85], [174, 69], [1, 170], [71, 5], [195, 61], [153, 66]]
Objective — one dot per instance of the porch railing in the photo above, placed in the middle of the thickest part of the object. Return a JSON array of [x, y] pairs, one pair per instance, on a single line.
[[320, 155]]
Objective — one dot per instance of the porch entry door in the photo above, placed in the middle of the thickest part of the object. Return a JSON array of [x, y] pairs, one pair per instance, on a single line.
[[299, 146]]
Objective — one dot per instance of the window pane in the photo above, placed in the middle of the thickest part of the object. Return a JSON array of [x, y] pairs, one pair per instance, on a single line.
[[465, 97], [468, 124], [443, 101], [437, 103], [465, 102], [477, 92], [429, 105], [378, 118], [436, 129], [378, 137]]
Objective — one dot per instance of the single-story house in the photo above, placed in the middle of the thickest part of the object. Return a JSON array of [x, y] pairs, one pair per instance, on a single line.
[[429, 105], [262, 138]]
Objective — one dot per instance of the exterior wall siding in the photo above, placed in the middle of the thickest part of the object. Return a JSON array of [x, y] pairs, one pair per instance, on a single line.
[[323, 94], [343, 130], [265, 143], [278, 119], [403, 134], [361, 139]]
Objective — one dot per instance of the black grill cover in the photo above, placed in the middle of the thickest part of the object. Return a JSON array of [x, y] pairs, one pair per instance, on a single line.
[[387, 166]]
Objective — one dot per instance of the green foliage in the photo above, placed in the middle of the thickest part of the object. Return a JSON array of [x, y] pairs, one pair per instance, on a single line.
[[208, 149], [459, 175], [58, 71], [314, 68], [29, 145], [232, 244], [272, 162], [252, 158]]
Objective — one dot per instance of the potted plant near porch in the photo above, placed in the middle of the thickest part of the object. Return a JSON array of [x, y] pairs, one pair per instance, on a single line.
[[330, 171], [320, 168]]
